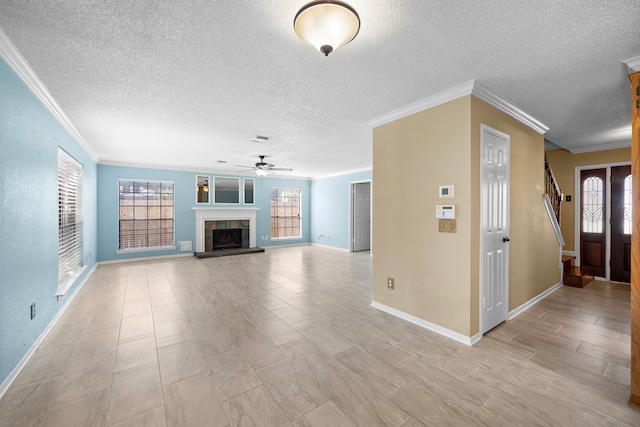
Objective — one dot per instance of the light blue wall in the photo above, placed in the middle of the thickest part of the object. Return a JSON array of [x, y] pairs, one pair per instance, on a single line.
[[29, 140], [330, 209], [185, 200]]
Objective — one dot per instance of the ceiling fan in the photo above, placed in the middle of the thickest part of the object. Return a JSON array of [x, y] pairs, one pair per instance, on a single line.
[[261, 168]]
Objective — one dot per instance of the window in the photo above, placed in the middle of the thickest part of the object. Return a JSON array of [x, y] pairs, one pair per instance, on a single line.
[[628, 205], [69, 218], [146, 214], [592, 205], [285, 213]]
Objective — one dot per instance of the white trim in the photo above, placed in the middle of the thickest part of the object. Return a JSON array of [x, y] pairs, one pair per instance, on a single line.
[[578, 204], [146, 249], [456, 336], [509, 108], [320, 245], [600, 147], [244, 189], [632, 65], [569, 253], [285, 246], [224, 214], [424, 104], [25, 359], [513, 313], [200, 171], [469, 88], [116, 261], [198, 176], [70, 281], [553, 219], [14, 59], [349, 172]]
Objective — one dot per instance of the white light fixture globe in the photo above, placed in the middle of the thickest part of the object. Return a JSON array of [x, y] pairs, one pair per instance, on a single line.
[[262, 172], [326, 25]]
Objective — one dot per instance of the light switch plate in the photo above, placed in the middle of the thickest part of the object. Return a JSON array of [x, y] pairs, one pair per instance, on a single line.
[[447, 225]]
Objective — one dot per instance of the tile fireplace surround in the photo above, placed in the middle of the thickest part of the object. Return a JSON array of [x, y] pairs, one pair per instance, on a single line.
[[222, 214]]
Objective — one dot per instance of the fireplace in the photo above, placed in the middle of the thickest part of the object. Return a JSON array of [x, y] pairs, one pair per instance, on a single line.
[[226, 234], [210, 219]]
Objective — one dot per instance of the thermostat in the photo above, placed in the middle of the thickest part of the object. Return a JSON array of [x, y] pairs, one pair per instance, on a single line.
[[446, 211], [446, 191]]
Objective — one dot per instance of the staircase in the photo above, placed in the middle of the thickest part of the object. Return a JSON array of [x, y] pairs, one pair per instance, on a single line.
[[572, 276], [578, 277]]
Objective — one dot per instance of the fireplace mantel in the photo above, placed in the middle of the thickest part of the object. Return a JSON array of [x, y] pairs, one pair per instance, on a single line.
[[221, 214]]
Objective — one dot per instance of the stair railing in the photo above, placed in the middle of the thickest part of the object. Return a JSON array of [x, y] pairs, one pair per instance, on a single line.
[[552, 190]]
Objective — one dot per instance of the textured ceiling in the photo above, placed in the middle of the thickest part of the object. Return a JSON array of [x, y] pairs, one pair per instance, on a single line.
[[184, 84]]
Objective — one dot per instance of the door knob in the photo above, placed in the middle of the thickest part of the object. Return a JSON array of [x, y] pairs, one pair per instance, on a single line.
[[505, 239]]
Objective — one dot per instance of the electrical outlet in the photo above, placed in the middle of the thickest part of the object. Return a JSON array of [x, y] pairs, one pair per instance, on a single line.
[[33, 310], [390, 284]]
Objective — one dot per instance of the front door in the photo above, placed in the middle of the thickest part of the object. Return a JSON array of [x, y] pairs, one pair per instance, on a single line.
[[621, 201], [494, 227], [362, 216], [593, 218]]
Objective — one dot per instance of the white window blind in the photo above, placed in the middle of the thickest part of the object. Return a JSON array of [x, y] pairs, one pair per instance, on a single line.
[[69, 217], [146, 214], [286, 210]]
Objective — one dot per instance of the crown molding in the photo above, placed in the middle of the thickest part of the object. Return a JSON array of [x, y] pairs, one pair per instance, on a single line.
[[469, 88], [424, 104], [599, 147], [14, 59], [349, 172], [632, 65], [509, 108]]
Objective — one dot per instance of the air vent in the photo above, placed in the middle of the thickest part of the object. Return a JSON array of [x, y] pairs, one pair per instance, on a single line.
[[260, 138], [222, 162]]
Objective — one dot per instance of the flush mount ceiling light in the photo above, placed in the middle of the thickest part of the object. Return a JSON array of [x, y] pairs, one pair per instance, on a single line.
[[326, 25]]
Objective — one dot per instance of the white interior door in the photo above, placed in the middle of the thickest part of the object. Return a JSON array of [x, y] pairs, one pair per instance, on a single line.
[[494, 228], [362, 216]]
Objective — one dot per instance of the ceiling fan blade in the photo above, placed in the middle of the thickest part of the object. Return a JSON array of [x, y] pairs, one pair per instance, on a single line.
[[244, 166], [281, 169], [245, 170]]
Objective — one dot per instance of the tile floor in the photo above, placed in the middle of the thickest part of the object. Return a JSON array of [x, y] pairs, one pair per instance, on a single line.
[[288, 338]]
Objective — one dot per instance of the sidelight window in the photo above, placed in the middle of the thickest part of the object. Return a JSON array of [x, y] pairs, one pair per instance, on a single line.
[[628, 204]]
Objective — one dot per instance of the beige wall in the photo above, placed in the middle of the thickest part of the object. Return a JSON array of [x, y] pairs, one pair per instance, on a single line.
[[437, 274], [563, 164], [534, 254]]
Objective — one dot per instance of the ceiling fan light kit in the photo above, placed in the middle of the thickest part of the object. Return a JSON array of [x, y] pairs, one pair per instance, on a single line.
[[263, 169], [326, 25]]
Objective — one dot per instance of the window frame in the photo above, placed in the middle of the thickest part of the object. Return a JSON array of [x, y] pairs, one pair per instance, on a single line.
[[167, 247], [271, 217], [70, 255], [244, 191]]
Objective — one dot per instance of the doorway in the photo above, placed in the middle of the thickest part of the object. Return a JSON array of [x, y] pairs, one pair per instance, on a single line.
[[494, 227], [603, 219], [360, 216], [621, 223]]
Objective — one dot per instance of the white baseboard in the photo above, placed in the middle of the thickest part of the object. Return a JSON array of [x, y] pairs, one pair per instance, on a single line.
[[16, 371], [532, 301], [569, 253], [289, 245], [320, 245], [428, 325], [144, 258]]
